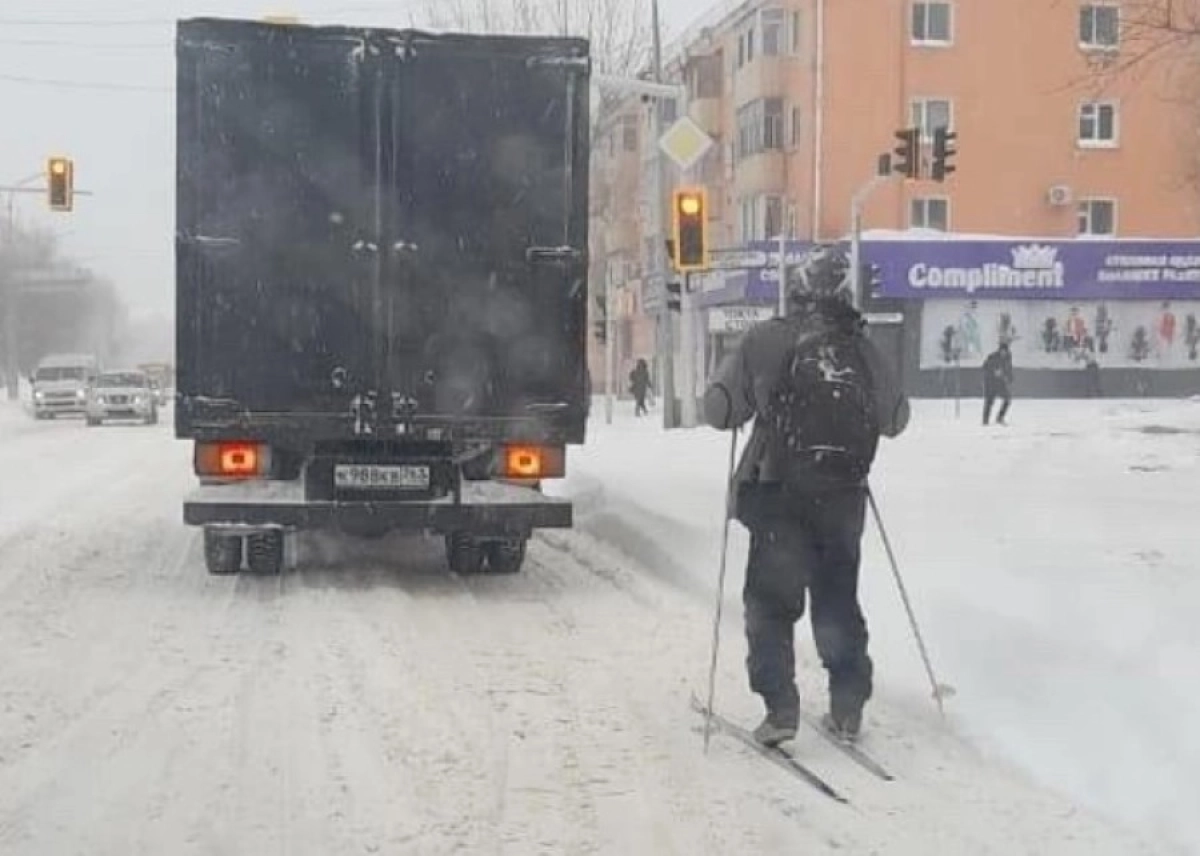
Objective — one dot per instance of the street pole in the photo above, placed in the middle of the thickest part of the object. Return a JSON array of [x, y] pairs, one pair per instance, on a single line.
[[667, 337], [856, 207], [782, 274], [687, 328], [610, 347]]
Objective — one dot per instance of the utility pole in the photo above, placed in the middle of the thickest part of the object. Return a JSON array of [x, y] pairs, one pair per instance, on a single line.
[[667, 337], [610, 345], [782, 273]]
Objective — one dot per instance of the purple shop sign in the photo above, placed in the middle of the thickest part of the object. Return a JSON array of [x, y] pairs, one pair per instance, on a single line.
[[1037, 270]]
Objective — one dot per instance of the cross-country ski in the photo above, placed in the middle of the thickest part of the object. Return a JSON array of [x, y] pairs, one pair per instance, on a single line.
[[777, 755]]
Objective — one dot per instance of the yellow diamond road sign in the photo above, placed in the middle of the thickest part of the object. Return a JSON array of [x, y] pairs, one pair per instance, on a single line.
[[685, 143]]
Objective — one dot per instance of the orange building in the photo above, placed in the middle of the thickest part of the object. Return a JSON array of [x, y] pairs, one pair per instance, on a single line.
[[1054, 139]]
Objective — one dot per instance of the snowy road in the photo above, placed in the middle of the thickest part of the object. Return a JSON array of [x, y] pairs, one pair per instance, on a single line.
[[371, 702]]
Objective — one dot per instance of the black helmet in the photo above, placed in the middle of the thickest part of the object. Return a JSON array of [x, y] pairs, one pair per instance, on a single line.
[[822, 273]]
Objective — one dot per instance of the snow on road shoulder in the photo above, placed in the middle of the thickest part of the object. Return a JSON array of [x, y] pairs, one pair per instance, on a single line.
[[1051, 563]]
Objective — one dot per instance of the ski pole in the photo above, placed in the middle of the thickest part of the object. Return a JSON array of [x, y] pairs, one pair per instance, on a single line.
[[716, 635], [940, 691]]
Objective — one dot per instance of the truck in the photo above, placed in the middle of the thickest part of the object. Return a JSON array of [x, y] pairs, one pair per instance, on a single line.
[[60, 384], [381, 285]]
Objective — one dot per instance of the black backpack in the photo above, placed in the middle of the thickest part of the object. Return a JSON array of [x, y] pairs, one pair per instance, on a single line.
[[821, 415]]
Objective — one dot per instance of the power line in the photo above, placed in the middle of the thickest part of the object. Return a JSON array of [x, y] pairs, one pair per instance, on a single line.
[[62, 43], [67, 22], [82, 84]]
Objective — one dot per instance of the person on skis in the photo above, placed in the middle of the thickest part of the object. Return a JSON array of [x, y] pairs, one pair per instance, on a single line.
[[821, 394]]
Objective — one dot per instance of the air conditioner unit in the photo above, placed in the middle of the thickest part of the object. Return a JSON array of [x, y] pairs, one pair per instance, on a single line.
[[1059, 195]]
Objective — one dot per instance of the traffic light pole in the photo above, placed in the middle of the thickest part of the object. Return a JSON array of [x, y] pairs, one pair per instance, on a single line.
[[856, 207], [666, 339]]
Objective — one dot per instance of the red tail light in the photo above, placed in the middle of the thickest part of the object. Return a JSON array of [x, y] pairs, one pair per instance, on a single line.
[[534, 463], [232, 460]]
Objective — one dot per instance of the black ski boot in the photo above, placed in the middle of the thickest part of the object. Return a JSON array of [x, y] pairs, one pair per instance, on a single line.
[[779, 726], [845, 727]]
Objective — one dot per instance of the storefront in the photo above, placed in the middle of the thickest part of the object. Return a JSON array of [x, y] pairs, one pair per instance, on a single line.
[[1130, 307]]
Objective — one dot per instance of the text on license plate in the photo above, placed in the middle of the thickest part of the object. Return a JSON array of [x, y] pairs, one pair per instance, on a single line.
[[377, 477]]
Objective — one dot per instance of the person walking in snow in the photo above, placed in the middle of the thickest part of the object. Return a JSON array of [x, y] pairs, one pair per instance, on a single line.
[[997, 383], [639, 385], [821, 394]]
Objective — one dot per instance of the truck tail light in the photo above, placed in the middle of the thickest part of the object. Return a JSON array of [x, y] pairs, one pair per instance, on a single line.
[[233, 460], [534, 463]]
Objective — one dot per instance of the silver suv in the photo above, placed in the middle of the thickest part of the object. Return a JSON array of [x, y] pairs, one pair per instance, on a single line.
[[122, 395]]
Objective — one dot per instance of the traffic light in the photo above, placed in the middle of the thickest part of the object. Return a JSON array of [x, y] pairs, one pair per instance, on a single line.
[[60, 183], [690, 230], [944, 151], [600, 322], [674, 296], [908, 153]]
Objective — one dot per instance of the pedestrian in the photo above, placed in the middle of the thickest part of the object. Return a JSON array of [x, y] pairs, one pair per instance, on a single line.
[[639, 385], [997, 383], [820, 394], [1091, 372]]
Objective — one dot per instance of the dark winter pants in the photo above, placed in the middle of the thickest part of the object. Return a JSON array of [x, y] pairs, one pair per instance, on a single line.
[[639, 398], [812, 546], [989, 401]]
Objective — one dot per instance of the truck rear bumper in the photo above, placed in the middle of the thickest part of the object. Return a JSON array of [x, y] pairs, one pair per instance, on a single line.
[[486, 508]]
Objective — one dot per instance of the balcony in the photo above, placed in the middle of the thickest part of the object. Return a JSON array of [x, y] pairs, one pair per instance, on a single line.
[[765, 77], [706, 112], [765, 172]]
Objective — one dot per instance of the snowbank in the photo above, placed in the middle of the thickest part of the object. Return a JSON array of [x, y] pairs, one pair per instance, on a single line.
[[1053, 565]]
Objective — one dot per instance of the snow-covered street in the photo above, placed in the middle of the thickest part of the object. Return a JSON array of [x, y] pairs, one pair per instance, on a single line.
[[369, 701]]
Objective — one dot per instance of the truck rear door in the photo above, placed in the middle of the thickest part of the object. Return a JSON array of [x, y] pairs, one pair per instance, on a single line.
[[278, 213], [486, 302]]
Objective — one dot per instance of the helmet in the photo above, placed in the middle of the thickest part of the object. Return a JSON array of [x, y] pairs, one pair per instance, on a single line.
[[822, 273]]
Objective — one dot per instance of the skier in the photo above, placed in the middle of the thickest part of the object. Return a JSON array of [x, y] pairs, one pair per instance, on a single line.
[[822, 394], [997, 383], [639, 385]]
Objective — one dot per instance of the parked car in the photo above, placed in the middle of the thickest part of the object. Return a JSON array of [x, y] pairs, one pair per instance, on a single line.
[[60, 384], [122, 395]]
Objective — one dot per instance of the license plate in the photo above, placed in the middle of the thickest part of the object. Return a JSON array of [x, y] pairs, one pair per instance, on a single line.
[[378, 477]]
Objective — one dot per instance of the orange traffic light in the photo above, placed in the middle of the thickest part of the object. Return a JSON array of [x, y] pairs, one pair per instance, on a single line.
[[60, 183], [690, 229]]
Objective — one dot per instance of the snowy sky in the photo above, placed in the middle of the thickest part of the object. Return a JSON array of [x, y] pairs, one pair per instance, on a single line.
[[123, 139]]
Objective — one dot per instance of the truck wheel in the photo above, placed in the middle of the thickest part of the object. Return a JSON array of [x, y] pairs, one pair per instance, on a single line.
[[506, 557], [222, 553], [264, 553], [464, 554]]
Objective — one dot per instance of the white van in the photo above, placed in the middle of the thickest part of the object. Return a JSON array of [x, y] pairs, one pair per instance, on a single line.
[[60, 385]]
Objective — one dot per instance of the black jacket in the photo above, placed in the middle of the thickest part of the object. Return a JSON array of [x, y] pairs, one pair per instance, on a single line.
[[998, 370], [744, 383]]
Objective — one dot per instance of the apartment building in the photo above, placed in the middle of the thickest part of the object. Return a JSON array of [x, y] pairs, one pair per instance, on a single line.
[[1055, 145]]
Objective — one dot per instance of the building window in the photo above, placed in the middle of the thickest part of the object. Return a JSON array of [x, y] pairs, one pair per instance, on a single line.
[[930, 213], [749, 219], [706, 77], [774, 32], [772, 216], [1099, 26], [760, 127], [929, 114], [931, 23], [797, 127], [1098, 217], [795, 34], [1098, 124]]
